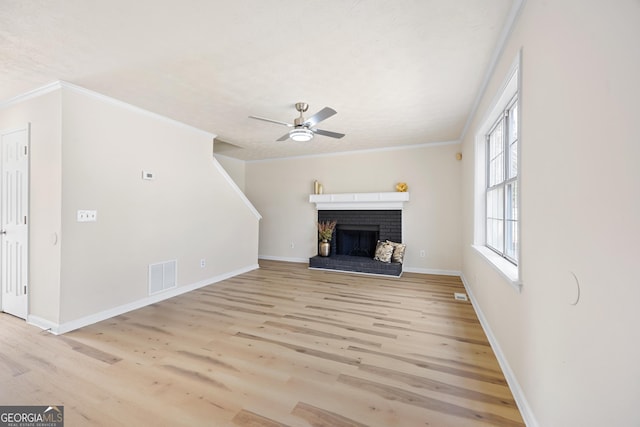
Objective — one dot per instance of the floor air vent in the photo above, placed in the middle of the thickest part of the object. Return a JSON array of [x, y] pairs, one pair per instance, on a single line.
[[459, 296], [162, 276]]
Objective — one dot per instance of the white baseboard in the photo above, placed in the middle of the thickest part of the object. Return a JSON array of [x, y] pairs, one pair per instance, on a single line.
[[41, 323], [518, 393], [430, 271], [59, 329], [284, 259]]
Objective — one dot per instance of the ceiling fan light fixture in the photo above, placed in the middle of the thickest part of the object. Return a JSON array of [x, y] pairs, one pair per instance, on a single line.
[[301, 134]]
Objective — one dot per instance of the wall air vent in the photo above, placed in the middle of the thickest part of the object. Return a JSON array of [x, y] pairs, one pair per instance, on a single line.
[[162, 276]]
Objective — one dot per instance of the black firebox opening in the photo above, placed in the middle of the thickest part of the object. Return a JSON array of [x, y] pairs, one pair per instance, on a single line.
[[357, 240]]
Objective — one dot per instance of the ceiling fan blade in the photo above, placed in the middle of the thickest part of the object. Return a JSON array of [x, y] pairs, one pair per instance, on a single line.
[[321, 115], [271, 121], [283, 137], [328, 133]]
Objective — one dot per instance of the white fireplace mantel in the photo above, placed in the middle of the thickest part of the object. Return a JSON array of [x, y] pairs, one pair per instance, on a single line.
[[360, 201]]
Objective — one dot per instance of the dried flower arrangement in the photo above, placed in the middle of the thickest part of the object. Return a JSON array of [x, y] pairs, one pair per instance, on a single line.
[[325, 229]]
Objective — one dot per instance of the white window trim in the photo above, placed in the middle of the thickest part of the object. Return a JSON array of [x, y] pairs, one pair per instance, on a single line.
[[512, 85], [509, 271]]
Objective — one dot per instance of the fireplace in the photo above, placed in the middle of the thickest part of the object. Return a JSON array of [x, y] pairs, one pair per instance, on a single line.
[[361, 220], [354, 240]]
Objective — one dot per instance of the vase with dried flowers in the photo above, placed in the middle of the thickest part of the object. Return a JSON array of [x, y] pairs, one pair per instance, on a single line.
[[325, 232]]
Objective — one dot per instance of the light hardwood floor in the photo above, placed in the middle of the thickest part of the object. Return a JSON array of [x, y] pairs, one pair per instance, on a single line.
[[279, 346]]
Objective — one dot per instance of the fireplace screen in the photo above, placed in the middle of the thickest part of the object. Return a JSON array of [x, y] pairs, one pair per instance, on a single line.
[[357, 240]]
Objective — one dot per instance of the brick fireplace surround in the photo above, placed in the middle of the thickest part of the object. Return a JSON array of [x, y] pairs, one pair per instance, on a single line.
[[378, 216]]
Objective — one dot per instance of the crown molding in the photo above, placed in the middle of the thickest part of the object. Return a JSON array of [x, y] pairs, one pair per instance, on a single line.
[[362, 151], [503, 38], [34, 93], [57, 85]]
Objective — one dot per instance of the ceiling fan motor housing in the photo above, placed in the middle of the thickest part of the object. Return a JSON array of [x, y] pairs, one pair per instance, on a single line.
[[302, 106]]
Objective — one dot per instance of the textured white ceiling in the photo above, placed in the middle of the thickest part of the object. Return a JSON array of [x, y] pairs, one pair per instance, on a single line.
[[398, 72]]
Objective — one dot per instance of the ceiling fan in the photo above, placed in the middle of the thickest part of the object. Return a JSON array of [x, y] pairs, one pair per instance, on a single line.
[[303, 129]]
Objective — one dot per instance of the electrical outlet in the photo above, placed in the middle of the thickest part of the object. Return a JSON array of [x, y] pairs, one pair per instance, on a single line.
[[87, 216], [203, 263], [292, 245], [423, 253]]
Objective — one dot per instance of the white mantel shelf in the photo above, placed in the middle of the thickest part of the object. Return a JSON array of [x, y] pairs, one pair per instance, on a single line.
[[359, 201]]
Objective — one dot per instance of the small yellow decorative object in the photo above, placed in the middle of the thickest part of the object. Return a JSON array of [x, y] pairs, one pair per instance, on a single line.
[[402, 187]]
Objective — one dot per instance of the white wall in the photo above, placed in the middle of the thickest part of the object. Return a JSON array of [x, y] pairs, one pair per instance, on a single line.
[[280, 190], [235, 168], [43, 113], [189, 212], [88, 152], [574, 365]]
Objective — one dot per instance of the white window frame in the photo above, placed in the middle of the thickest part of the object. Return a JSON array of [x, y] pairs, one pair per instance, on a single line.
[[501, 126], [510, 88]]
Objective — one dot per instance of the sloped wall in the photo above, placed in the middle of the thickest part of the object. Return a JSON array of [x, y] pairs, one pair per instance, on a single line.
[[88, 152], [190, 211]]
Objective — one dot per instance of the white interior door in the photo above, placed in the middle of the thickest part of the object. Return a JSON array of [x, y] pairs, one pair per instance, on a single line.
[[14, 237]]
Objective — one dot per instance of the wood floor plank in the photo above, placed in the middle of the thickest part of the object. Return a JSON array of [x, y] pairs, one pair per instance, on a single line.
[[434, 385], [282, 345], [319, 417], [494, 379], [317, 333], [91, 351], [247, 418], [411, 398]]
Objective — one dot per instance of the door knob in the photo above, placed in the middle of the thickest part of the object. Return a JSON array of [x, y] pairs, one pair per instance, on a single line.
[[3, 232]]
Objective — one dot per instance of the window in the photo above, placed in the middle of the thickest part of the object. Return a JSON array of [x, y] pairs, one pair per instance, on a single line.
[[497, 222], [502, 184]]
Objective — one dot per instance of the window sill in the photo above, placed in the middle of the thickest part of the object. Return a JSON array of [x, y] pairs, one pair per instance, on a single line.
[[507, 270]]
